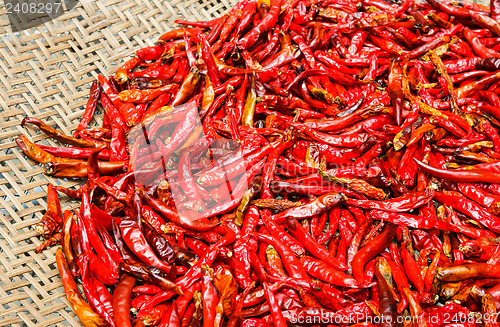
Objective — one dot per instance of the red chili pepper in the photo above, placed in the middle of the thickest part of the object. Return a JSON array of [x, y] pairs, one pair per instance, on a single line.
[[460, 175], [277, 316], [478, 47], [370, 250], [95, 92], [470, 208], [411, 268], [52, 220], [141, 96], [319, 205], [91, 291], [94, 238], [475, 270], [403, 219], [210, 297], [82, 309], [264, 25], [386, 301], [121, 300], [291, 264], [319, 269], [394, 89], [127, 110], [278, 232], [121, 75], [137, 243], [312, 246]]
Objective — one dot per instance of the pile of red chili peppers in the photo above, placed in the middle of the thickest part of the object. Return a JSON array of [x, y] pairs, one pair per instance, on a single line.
[[341, 157]]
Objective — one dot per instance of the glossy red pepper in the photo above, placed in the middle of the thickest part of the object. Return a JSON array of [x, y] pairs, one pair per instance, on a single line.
[[370, 250], [311, 245], [121, 301]]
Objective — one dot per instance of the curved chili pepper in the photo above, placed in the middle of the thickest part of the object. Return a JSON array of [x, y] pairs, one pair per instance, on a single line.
[[134, 238], [386, 301], [486, 22], [186, 179], [370, 250], [394, 89], [311, 245], [277, 316], [468, 89], [159, 244], [217, 175], [49, 131], [264, 25], [95, 92], [291, 264], [480, 196], [54, 239], [187, 87], [319, 269], [411, 268], [121, 301], [278, 232], [460, 175], [210, 297], [357, 185], [478, 47], [52, 220], [91, 291], [356, 242], [127, 110], [103, 268], [73, 152], [121, 75], [473, 270], [88, 226], [403, 203], [66, 241], [83, 311], [345, 120], [404, 219], [141, 96], [317, 206], [247, 117], [150, 53], [174, 216], [104, 296], [449, 9], [470, 208], [175, 34]]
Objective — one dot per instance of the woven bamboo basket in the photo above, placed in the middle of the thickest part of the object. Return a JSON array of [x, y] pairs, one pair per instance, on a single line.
[[46, 72]]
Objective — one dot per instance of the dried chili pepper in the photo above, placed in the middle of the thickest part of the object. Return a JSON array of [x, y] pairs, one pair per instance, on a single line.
[[121, 300], [367, 252], [52, 220], [83, 310], [311, 245], [95, 92], [319, 205], [136, 241]]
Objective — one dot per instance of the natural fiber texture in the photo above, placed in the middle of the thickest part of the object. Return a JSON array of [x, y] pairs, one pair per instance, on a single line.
[[46, 72]]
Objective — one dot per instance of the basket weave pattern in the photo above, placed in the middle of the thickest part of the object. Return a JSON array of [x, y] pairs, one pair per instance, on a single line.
[[46, 72]]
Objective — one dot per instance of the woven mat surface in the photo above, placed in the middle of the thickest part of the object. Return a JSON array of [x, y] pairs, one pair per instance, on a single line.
[[46, 72]]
